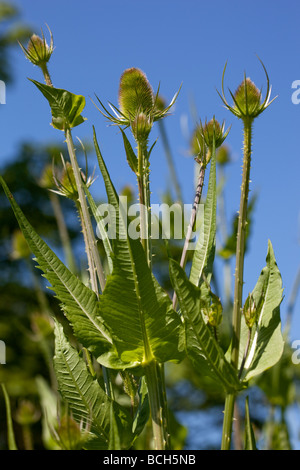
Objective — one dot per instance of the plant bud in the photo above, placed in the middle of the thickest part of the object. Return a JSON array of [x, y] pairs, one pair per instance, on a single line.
[[213, 311], [250, 311], [141, 127], [27, 414]]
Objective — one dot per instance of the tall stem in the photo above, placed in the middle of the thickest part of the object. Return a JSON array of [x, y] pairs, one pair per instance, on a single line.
[[239, 279], [144, 197], [155, 401], [240, 245], [95, 262], [154, 372], [191, 223]]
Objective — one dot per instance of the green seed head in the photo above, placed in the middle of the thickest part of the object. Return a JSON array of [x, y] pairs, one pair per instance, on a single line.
[[38, 51], [135, 94], [20, 248], [247, 98], [213, 131], [46, 181]]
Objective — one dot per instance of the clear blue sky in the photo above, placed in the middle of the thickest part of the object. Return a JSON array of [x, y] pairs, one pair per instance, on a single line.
[[178, 42]]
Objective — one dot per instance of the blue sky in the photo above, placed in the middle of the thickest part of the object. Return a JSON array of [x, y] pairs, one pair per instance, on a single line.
[[178, 42]]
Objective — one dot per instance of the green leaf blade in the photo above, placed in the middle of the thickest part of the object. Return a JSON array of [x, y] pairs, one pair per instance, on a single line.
[[205, 249], [266, 346], [202, 348]]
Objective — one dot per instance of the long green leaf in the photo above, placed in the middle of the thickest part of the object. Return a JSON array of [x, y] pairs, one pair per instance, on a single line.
[[266, 345], [101, 227], [205, 248], [202, 348], [87, 400], [10, 430], [250, 443], [79, 303]]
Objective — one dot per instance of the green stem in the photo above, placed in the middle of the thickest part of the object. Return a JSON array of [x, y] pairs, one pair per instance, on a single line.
[[154, 372], [144, 198], [239, 279], [191, 223], [156, 405], [240, 246], [227, 423], [91, 240]]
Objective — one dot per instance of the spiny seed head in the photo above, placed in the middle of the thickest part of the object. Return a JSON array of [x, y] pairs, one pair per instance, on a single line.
[[213, 133], [138, 106], [247, 98], [38, 51], [135, 94]]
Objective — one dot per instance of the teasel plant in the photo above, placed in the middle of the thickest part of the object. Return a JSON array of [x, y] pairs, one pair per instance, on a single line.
[[206, 139], [122, 320], [247, 105], [139, 108]]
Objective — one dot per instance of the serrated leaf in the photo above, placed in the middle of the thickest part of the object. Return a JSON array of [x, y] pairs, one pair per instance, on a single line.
[[201, 346], [87, 400], [79, 303], [65, 107], [266, 344], [203, 257]]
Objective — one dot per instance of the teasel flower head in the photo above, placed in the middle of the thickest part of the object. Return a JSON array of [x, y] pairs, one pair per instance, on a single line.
[[207, 137], [248, 102], [139, 107], [65, 181], [214, 133], [38, 51]]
